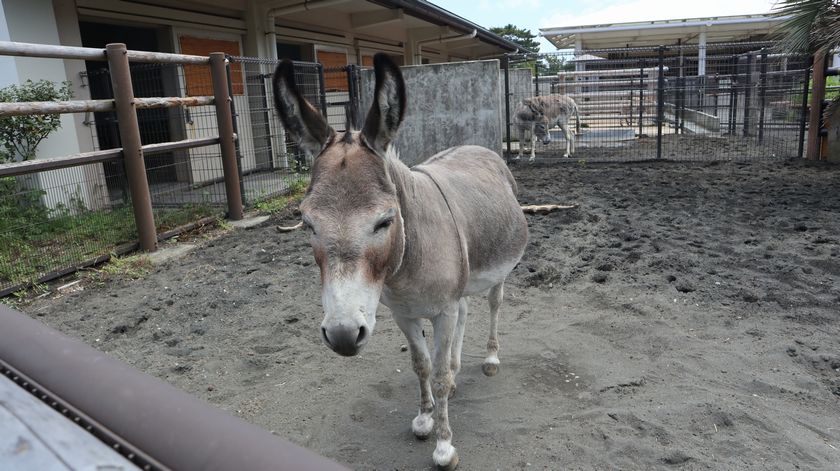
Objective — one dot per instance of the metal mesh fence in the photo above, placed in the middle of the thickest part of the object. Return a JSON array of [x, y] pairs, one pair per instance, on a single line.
[[189, 177], [718, 102], [54, 221], [271, 162]]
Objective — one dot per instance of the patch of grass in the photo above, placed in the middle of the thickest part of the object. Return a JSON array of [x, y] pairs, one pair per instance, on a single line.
[[275, 204], [35, 240], [132, 267]]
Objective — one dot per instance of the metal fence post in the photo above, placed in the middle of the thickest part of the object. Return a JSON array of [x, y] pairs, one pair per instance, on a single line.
[[224, 120], [322, 90], [660, 100], [506, 66], [762, 94], [537, 77], [353, 95], [135, 166], [803, 111], [748, 95], [641, 96]]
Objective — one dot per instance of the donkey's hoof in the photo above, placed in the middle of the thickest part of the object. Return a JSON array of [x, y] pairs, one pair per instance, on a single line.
[[452, 464], [446, 457], [422, 426], [490, 369]]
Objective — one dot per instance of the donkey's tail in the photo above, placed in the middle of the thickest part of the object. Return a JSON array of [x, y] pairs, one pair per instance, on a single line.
[[577, 120]]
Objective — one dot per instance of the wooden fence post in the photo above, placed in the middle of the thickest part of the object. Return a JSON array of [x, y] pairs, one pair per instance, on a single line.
[[224, 120], [135, 166], [817, 96]]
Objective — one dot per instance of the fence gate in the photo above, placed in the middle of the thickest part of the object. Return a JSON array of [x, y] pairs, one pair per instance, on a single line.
[[717, 102]]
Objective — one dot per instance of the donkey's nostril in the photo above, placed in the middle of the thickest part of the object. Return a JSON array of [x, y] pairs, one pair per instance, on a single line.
[[362, 336], [324, 336]]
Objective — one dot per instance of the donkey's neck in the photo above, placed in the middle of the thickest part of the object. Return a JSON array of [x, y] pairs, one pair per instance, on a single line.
[[402, 178]]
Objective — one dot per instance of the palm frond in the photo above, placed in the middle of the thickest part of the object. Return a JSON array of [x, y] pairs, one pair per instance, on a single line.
[[797, 32]]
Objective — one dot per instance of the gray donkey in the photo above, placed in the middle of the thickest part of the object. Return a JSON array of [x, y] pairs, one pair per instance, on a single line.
[[419, 240], [540, 113]]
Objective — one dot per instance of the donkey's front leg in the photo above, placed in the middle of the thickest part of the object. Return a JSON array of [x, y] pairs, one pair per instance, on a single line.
[[445, 456], [413, 329]]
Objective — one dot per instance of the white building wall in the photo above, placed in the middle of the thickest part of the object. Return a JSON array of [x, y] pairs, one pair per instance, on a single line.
[[33, 21]]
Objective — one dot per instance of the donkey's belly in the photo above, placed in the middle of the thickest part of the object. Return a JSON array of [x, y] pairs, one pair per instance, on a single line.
[[482, 280]]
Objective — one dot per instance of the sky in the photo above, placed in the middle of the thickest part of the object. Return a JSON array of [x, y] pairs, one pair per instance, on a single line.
[[536, 14]]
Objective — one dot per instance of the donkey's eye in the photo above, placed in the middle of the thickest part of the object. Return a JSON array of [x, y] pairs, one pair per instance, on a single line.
[[383, 224]]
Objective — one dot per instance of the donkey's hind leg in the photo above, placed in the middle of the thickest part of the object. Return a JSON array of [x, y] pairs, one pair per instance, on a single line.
[[491, 363], [567, 134], [458, 341]]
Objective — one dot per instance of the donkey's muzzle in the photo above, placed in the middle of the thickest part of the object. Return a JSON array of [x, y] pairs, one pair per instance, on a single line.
[[345, 340]]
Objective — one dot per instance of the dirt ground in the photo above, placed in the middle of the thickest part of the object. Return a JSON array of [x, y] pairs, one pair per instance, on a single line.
[[685, 316]]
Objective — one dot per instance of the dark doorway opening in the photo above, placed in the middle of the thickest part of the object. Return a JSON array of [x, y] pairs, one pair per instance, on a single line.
[[149, 80]]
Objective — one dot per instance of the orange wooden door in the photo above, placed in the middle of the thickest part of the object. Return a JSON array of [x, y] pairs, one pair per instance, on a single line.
[[197, 77]]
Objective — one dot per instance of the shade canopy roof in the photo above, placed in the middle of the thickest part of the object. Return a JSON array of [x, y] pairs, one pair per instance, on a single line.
[[719, 29]]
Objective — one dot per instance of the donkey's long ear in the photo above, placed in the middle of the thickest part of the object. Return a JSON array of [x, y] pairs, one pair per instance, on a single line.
[[388, 107], [302, 121]]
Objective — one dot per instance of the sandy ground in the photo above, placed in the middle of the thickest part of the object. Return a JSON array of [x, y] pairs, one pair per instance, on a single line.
[[685, 316]]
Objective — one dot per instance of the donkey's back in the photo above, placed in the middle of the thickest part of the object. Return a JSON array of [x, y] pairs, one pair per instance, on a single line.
[[481, 193]]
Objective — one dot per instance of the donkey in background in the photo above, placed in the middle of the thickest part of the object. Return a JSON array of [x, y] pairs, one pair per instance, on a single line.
[[538, 114], [419, 240]]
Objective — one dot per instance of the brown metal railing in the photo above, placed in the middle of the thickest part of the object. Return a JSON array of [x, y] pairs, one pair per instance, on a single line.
[[126, 105]]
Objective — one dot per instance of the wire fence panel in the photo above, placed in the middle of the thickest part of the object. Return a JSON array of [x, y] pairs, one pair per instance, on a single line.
[[53, 220], [187, 177], [717, 102], [272, 164]]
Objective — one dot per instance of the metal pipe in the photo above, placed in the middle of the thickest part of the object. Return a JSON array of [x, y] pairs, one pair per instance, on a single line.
[[224, 120], [434, 14], [175, 429], [506, 67], [660, 101], [762, 94], [441, 39], [135, 166], [748, 95]]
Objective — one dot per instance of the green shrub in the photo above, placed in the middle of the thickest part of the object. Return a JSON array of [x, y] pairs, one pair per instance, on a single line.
[[21, 135]]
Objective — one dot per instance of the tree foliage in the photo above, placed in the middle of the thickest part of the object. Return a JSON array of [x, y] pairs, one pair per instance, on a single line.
[[520, 36], [812, 25], [21, 135]]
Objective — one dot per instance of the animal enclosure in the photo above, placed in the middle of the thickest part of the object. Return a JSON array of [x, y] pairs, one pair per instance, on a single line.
[[717, 102], [704, 333]]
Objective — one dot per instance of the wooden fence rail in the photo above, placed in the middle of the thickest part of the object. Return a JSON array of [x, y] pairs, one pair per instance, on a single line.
[[125, 104]]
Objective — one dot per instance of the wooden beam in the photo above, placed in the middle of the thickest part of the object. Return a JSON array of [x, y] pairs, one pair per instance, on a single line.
[[462, 44], [431, 32], [375, 18]]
